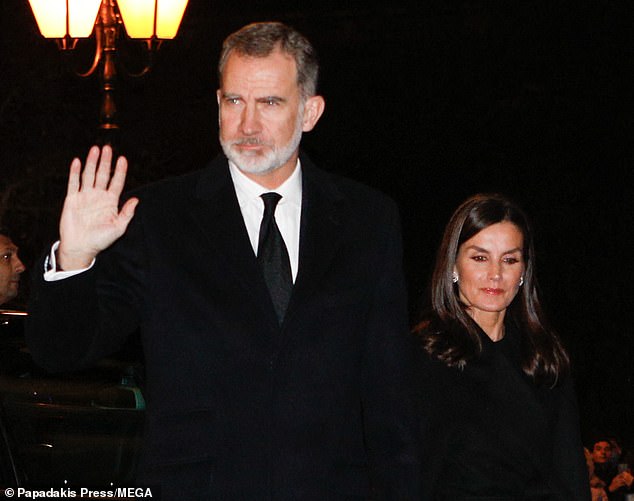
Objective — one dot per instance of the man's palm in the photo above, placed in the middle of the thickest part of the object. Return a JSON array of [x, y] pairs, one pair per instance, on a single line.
[[91, 220]]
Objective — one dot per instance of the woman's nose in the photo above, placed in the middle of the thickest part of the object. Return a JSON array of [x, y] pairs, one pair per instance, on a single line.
[[495, 272]]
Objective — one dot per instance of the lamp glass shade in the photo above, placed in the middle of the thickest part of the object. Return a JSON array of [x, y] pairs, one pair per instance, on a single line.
[[82, 16], [139, 17], [169, 17], [50, 16]]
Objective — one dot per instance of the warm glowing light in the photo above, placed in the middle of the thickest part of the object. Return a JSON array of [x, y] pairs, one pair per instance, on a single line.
[[51, 17], [83, 14], [139, 16], [169, 17]]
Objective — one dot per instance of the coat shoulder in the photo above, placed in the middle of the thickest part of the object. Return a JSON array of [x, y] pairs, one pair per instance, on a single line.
[[342, 188], [184, 186]]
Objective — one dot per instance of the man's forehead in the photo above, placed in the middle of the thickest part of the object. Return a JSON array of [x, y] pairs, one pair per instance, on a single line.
[[276, 53], [273, 65]]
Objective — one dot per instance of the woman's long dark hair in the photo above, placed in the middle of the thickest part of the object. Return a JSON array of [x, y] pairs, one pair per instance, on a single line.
[[450, 334]]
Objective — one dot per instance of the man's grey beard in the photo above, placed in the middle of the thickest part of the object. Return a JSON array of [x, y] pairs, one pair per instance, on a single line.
[[271, 160]]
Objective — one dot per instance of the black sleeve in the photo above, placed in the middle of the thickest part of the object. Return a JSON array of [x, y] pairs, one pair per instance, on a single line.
[[569, 466], [74, 322], [387, 402]]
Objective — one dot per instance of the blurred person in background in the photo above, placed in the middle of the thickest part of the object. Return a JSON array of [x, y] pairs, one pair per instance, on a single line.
[[10, 268], [597, 486], [615, 474]]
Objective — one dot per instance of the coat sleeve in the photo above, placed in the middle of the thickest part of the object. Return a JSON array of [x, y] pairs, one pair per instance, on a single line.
[[435, 410], [387, 403], [74, 322], [569, 465]]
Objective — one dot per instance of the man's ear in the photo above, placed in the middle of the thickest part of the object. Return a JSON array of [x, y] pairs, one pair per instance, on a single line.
[[313, 109]]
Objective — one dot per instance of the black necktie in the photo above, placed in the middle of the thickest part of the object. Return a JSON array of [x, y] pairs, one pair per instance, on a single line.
[[273, 257]]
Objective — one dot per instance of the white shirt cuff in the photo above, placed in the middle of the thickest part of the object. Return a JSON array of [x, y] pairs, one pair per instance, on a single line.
[[51, 274]]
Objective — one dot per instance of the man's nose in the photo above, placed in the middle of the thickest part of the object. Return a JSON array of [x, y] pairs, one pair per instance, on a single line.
[[250, 120], [18, 265]]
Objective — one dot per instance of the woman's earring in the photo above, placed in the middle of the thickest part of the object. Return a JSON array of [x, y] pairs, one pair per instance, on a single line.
[[521, 281], [454, 277]]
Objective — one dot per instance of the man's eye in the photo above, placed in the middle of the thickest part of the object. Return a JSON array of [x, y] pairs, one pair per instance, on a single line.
[[7, 256]]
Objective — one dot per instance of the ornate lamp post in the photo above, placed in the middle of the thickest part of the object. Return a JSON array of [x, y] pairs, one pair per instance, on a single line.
[[67, 21]]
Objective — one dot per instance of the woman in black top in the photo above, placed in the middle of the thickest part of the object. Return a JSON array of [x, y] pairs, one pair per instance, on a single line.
[[499, 417]]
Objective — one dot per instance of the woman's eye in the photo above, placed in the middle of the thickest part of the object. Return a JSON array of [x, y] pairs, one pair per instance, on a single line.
[[511, 260], [479, 258]]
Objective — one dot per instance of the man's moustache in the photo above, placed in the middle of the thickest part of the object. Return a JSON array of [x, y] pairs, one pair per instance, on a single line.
[[250, 141]]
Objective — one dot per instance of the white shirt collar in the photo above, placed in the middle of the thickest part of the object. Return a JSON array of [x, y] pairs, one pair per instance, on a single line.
[[287, 213], [249, 191]]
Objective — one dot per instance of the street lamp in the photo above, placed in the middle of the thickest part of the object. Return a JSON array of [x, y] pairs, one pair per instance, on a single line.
[[67, 21]]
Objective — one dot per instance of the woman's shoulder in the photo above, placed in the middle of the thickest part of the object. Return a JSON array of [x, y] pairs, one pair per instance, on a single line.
[[425, 335], [430, 328], [446, 341]]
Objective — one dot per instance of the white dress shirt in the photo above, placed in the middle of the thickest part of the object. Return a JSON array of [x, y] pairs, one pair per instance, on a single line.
[[287, 217], [287, 212]]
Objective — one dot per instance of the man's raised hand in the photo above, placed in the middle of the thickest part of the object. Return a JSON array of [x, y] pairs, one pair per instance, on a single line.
[[91, 220]]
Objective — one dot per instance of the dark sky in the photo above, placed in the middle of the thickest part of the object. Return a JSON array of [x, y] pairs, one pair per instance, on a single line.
[[428, 101]]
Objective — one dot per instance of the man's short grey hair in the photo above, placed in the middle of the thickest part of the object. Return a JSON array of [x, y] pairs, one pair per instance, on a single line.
[[261, 39]]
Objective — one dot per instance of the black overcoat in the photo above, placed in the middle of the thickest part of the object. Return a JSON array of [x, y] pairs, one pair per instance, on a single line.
[[239, 407], [489, 432]]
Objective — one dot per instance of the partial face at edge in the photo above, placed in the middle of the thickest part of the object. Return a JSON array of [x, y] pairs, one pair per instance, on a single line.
[[10, 269]]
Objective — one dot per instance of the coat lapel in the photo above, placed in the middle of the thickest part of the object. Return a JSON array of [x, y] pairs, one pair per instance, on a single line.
[[217, 213], [319, 232], [533, 439]]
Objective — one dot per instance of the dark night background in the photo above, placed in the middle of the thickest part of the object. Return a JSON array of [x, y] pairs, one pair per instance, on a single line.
[[429, 101]]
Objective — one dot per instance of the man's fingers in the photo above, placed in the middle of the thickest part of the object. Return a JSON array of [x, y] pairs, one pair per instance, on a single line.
[[127, 212], [118, 178], [102, 176], [73, 177], [88, 176]]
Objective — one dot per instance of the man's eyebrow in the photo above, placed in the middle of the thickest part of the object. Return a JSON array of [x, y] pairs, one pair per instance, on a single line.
[[277, 99]]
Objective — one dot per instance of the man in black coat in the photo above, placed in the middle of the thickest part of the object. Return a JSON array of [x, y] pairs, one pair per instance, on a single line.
[[291, 384]]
